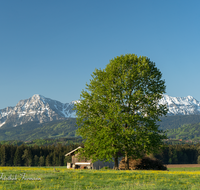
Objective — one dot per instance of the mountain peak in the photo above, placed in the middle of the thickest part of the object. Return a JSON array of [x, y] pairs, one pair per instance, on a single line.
[[37, 96], [41, 109], [181, 105], [190, 97], [36, 108]]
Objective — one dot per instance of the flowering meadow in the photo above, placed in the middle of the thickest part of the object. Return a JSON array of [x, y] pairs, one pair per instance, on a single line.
[[62, 178]]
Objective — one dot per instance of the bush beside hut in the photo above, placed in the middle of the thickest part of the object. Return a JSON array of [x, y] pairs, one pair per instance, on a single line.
[[146, 163]]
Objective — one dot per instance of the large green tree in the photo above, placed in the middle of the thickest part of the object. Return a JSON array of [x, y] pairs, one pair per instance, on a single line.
[[119, 110]]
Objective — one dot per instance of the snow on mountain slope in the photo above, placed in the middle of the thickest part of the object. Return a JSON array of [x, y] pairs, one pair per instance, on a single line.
[[37, 108], [181, 105], [42, 109]]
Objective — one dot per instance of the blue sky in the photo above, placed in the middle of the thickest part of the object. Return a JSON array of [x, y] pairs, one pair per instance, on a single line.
[[52, 47]]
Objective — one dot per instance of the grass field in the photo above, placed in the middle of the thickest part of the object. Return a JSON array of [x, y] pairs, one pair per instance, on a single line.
[[62, 178]]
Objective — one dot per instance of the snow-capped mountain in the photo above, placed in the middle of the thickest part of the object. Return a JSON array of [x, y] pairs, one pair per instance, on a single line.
[[41, 109], [181, 105], [37, 108]]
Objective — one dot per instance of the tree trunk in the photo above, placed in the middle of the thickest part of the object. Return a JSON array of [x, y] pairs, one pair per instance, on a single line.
[[116, 163], [126, 161]]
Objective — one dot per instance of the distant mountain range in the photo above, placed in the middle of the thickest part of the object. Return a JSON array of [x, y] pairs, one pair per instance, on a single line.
[[39, 118], [41, 109]]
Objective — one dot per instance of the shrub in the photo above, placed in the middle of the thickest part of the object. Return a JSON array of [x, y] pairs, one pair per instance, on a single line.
[[146, 163]]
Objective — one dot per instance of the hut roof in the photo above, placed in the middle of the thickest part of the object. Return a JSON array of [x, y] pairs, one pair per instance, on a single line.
[[72, 152]]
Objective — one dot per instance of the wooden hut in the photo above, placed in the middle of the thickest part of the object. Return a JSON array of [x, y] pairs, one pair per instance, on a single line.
[[85, 163]]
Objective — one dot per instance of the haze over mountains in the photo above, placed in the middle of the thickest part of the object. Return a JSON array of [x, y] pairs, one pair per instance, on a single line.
[[41, 109]]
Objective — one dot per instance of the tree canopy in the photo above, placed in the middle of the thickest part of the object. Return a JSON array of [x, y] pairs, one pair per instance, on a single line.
[[118, 111]]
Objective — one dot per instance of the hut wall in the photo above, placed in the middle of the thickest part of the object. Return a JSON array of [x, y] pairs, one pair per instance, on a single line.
[[75, 159], [100, 164]]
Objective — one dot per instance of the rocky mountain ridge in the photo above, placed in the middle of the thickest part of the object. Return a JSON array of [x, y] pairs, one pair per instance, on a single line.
[[181, 105], [41, 109], [37, 108]]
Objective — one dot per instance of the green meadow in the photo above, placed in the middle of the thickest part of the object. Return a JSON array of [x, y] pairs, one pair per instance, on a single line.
[[62, 178]]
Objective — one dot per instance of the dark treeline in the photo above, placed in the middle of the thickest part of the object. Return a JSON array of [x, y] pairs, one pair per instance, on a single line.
[[51, 155], [24, 155], [180, 154]]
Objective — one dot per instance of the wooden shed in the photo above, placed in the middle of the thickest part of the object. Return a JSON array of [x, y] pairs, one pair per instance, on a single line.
[[85, 163]]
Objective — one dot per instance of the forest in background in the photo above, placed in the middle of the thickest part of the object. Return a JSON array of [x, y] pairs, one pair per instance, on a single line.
[[54, 155], [46, 144], [24, 155]]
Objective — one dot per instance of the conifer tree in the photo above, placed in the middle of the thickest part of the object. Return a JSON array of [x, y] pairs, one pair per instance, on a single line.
[[48, 160], [41, 160], [3, 155], [17, 157], [36, 160], [27, 157]]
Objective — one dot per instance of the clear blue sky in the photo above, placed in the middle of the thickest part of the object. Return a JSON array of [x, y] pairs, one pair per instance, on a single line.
[[52, 47]]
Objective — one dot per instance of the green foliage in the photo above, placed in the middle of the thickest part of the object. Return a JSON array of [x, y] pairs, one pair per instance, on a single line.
[[54, 155], [198, 160], [18, 157], [27, 156], [105, 168], [48, 160], [119, 109], [186, 132], [36, 160], [41, 161], [3, 155]]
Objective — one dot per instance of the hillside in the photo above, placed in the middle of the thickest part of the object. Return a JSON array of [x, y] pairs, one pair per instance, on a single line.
[[176, 121], [185, 132], [66, 128], [185, 127], [34, 130]]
